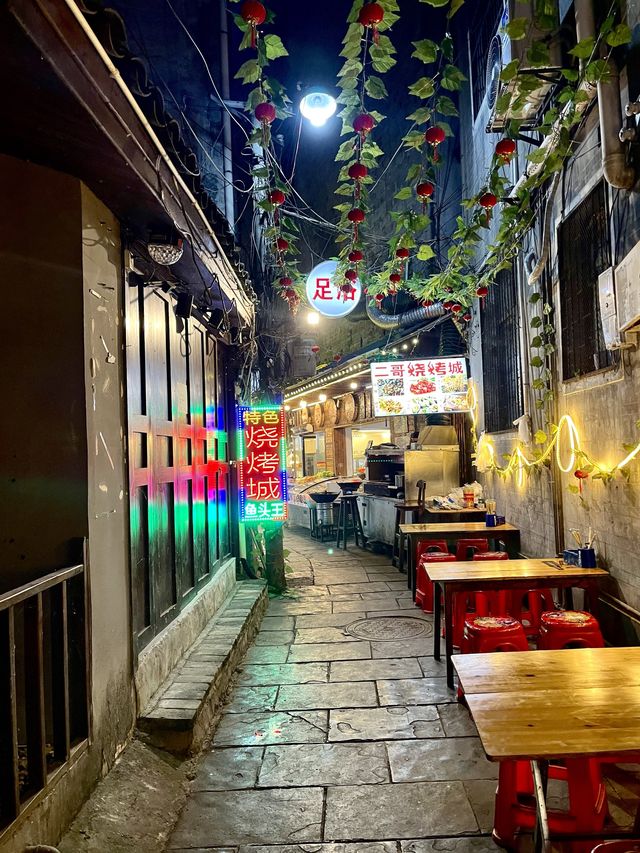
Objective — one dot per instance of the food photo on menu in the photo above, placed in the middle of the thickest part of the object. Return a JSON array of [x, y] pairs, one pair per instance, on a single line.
[[427, 386]]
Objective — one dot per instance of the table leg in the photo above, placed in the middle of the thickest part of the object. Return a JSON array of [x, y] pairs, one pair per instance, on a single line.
[[592, 590], [409, 558], [401, 554], [437, 611], [412, 563], [448, 632]]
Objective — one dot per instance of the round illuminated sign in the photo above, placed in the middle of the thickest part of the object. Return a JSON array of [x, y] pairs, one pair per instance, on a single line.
[[326, 296]]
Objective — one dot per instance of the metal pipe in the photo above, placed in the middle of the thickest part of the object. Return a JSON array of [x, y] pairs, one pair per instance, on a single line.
[[227, 153], [537, 271], [407, 318]]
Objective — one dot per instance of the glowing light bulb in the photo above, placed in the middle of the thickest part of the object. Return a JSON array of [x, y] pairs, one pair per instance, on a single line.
[[303, 404], [322, 397], [353, 385], [313, 318], [318, 107]]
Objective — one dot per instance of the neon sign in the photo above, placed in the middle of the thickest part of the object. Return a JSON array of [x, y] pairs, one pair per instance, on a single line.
[[325, 294], [262, 475]]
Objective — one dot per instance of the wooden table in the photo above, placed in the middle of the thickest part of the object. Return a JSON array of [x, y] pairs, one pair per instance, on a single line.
[[438, 514], [547, 705], [452, 531], [467, 576]]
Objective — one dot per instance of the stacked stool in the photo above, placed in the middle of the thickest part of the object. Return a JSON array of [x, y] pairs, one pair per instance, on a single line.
[[528, 606], [433, 551], [349, 522]]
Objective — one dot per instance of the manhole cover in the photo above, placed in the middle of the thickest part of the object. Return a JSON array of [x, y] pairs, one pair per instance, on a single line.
[[389, 628]]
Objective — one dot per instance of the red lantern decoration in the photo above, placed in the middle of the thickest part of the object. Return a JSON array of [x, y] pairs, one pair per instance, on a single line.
[[277, 197], [370, 16], [427, 303], [581, 474], [435, 136], [424, 191], [346, 288], [448, 305], [456, 308], [505, 149], [265, 113], [363, 124], [356, 215], [488, 201], [358, 171], [281, 244], [466, 317], [337, 358], [351, 275], [254, 14], [395, 277], [355, 256], [315, 348], [290, 294], [402, 253], [285, 281], [482, 291], [379, 297]]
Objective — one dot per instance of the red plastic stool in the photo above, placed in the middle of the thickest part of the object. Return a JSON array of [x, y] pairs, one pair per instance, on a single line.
[[560, 629], [424, 587], [493, 634], [495, 603], [529, 613], [515, 811], [463, 546], [629, 845]]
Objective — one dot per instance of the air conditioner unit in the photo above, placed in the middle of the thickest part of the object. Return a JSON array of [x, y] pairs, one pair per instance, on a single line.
[[627, 281], [501, 95]]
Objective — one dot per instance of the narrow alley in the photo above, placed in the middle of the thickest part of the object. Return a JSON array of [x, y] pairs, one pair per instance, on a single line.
[[341, 728]]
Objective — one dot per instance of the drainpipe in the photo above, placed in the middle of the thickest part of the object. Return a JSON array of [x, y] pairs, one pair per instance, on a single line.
[[407, 318], [229, 204]]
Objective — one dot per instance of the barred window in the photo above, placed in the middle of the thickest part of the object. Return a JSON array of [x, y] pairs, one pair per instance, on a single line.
[[501, 365], [584, 251]]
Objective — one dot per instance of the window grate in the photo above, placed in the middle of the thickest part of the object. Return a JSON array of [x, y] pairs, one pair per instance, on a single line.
[[502, 371], [584, 251]]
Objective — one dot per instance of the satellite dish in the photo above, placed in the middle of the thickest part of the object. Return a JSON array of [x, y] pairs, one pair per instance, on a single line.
[[494, 67]]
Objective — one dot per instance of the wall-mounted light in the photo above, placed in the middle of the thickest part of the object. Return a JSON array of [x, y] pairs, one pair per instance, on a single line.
[[318, 106]]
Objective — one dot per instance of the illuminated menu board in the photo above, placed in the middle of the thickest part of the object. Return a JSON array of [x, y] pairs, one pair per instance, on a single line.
[[423, 387], [262, 477]]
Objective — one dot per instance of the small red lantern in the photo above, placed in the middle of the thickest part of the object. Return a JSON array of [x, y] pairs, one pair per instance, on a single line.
[[435, 136], [281, 244], [337, 358], [351, 275], [488, 201], [466, 317], [290, 294], [355, 256], [581, 474], [395, 277], [346, 288], [285, 281], [277, 197], [402, 253], [358, 171], [427, 303], [363, 124], [356, 215], [315, 348], [254, 14], [370, 16], [379, 297], [456, 308], [448, 305], [424, 191], [265, 113], [505, 149], [482, 291]]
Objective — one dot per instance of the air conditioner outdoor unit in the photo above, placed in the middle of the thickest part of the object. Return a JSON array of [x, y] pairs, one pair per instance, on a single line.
[[627, 278], [504, 97]]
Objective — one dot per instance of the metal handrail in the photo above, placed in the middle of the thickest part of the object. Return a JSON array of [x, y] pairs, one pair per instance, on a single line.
[[22, 593]]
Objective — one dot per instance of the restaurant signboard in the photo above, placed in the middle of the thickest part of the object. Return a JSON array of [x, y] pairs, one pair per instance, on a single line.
[[328, 296], [420, 387], [262, 475]]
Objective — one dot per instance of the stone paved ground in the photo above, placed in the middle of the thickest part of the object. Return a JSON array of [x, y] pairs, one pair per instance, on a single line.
[[333, 743], [331, 738]]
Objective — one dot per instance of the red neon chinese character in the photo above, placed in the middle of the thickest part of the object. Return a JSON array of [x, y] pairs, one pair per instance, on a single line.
[[264, 490], [263, 463], [323, 289], [262, 438]]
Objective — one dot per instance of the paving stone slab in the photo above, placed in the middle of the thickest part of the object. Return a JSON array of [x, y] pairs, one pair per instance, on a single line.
[[283, 673], [457, 721], [329, 651], [469, 844], [350, 606], [432, 667], [273, 638], [298, 607], [372, 670], [227, 769], [440, 760], [327, 620], [415, 691], [266, 654], [368, 587], [402, 648], [358, 847], [271, 728], [359, 694], [277, 623], [242, 817], [324, 764], [322, 635], [398, 811], [396, 723], [245, 699], [482, 796]]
